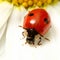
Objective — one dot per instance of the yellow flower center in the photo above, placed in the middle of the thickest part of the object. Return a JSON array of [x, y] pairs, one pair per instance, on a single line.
[[31, 3]]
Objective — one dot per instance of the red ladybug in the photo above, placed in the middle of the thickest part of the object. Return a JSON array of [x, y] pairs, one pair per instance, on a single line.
[[36, 22]]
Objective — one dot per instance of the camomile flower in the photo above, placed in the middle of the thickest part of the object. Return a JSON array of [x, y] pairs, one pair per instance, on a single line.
[[12, 14]]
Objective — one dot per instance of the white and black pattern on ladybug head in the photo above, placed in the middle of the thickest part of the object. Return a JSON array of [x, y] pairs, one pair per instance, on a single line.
[[31, 35]]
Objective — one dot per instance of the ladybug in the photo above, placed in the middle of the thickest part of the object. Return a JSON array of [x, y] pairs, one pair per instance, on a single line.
[[36, 24]]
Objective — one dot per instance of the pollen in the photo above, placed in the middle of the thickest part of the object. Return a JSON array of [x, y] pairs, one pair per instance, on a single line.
[[31, 3], [0, 1]]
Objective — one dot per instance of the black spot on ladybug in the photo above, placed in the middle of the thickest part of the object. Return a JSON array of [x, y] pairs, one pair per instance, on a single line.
[[31, 14], [46, 20]]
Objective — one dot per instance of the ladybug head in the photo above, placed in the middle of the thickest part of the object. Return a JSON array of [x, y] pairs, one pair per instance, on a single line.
[[30, 36]]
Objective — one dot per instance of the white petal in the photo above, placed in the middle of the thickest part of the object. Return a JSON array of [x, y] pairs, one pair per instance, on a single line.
[[5, 12], [13, 34]]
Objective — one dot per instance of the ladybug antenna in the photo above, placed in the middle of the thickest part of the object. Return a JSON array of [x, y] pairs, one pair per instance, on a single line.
[[22, 27], [45, 38], [23, 32]]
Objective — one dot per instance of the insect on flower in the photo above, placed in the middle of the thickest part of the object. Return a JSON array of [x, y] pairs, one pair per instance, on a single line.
[[36, 24]]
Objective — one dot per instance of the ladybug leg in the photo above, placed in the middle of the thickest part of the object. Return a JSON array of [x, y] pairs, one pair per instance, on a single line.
[[26, 42], [45, 38], [33, 43], [39, 43], [23, 35]]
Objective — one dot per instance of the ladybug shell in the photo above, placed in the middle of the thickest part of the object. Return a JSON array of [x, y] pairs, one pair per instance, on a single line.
[[37, 19]]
